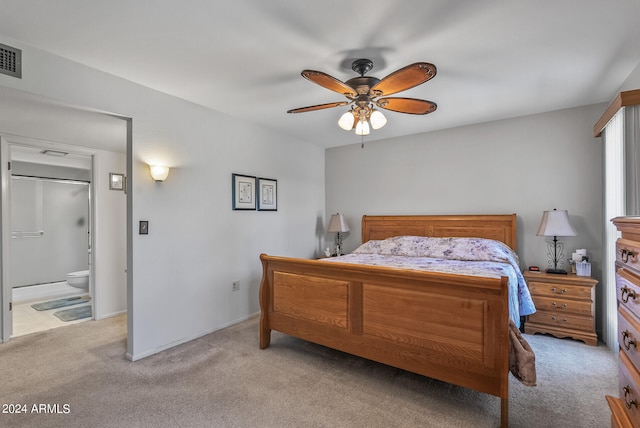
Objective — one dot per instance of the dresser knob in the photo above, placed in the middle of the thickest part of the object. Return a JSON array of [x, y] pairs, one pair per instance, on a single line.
[[627, 391], [626, 293], [555, 290], [554, 304]]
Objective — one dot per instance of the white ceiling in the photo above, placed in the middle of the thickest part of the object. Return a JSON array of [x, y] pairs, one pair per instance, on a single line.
[[495, 58]]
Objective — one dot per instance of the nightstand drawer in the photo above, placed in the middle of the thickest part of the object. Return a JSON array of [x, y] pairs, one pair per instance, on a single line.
[[561, 305], [565, 306], [561, 320], [566, 291]]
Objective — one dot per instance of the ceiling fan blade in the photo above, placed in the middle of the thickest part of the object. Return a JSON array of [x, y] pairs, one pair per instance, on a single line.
[[407, 105], [318, 107], [403, 79], [329, 82]]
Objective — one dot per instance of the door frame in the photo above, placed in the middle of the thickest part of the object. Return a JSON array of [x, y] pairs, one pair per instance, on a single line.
[[6, 319]]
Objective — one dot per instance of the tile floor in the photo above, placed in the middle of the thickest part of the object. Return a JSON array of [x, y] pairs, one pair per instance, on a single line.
[[27, 320]]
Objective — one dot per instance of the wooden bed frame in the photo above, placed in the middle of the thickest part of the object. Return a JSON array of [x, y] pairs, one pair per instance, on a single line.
[[449, 327]]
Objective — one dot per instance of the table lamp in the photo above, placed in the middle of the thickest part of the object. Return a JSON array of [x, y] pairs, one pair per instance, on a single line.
[[338, 225], [555, 223]]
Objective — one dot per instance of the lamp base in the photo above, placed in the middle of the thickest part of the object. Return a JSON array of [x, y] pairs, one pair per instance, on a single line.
[[557, 271]]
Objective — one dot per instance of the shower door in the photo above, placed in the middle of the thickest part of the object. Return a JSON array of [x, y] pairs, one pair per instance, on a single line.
[[50, 229]]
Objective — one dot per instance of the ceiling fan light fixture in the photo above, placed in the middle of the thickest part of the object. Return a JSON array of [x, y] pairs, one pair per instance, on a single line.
[[347, 121], [364, 92], [362, 128], [377, 119]]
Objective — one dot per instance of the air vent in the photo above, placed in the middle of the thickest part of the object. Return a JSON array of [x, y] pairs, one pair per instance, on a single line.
[[10, 61]]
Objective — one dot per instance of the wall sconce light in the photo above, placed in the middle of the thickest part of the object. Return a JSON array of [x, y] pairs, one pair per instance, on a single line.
[[159, 172]]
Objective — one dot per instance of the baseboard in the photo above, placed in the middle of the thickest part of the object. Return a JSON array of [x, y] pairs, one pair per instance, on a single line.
[[110, 315]]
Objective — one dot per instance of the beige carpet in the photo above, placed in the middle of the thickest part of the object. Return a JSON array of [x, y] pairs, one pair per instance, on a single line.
[[225, 380]]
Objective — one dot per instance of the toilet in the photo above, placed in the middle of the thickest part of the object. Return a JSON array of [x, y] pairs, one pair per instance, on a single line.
[[79, 279]]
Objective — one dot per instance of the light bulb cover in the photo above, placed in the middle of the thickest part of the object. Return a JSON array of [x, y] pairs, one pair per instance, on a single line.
[[347, 121], [377, 119], [362, 128], [159, 172]]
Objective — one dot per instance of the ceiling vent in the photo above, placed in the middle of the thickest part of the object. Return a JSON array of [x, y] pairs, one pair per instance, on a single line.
[[10, 61]]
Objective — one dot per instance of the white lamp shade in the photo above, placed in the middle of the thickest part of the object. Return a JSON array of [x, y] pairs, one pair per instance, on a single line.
[[338, 223], [362, 128], [556, 223], [159, 172], [377, 119], [347, 121]]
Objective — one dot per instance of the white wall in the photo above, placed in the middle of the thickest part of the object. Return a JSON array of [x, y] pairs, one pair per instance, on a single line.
[[632, 82], [181, 273], [524, 165], [109, 243]]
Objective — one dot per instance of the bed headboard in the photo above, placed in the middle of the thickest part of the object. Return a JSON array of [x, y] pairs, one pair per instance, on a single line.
[[501, 227]]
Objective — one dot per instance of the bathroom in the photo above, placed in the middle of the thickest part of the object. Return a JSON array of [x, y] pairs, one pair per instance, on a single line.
[[50, 257]]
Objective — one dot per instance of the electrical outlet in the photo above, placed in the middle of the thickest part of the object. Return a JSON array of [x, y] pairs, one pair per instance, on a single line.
[[235, 286]]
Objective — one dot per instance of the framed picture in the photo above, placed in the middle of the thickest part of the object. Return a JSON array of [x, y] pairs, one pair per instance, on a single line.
[[243, 192], [116, 181], [267, 194]]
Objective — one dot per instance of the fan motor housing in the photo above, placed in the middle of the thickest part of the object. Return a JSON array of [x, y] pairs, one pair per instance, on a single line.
[[363, 84]]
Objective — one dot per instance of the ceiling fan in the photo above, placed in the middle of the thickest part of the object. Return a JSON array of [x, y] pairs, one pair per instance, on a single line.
[[364, 93]]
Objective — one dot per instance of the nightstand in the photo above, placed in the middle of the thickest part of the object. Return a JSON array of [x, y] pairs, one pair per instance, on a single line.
[[565, 306]]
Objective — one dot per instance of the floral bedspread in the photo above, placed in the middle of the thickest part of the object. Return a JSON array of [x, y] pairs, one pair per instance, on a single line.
[[463, 256]]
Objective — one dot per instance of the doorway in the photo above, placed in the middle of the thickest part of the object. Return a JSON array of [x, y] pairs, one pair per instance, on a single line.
[[51, 231], [32, 121]]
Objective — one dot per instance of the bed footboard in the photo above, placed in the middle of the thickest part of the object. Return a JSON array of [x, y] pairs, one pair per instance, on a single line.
[[449, 327]]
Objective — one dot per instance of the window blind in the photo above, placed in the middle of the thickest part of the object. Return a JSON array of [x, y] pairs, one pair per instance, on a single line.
[[614, 206]]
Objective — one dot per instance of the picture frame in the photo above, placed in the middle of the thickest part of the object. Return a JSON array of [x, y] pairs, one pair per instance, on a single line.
[[243, 192], [267, 194], [116, 181]]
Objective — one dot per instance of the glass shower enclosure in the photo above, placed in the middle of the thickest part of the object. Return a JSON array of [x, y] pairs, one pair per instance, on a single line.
[[50, 229]]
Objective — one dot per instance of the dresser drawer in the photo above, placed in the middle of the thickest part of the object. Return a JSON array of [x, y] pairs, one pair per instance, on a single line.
[[627, 254], [629, 335], [618, 414], [628, 388], [561, 320], [550, 289], [628, 291], [561, 305]]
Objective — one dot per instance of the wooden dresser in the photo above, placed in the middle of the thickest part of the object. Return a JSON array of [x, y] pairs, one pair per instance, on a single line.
[[565, 306], [624, 408]]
